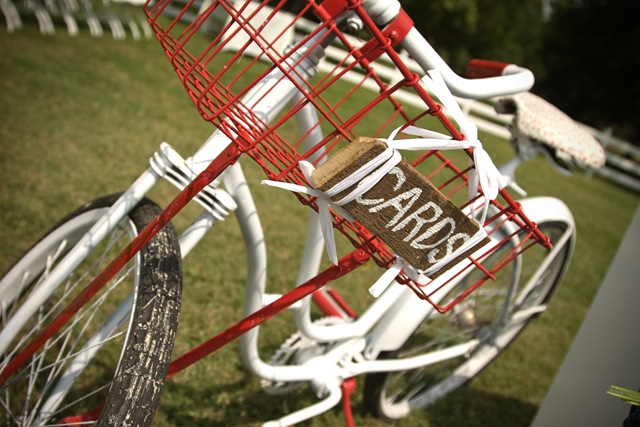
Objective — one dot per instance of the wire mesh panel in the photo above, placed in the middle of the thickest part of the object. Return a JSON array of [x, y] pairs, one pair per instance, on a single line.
[[254, 68]]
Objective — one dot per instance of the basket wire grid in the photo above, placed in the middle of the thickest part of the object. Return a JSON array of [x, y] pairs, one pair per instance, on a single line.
[[252, 47]]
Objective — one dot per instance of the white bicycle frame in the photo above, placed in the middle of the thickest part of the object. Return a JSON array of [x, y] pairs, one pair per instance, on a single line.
[[388, 321]]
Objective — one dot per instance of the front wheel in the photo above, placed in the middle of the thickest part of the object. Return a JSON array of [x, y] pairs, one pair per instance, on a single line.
[[107, 363], [492, 316]]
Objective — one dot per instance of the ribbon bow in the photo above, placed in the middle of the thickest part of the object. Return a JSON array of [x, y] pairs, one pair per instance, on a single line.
[[484, 173]]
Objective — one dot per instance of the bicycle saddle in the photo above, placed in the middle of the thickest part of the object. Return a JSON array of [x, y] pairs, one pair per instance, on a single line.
[[538, 120]]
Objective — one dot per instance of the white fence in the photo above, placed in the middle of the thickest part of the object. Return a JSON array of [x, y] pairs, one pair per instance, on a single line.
[[623, 159], [118, 17]]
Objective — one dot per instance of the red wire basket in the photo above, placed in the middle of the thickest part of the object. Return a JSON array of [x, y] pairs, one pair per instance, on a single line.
[[231, 51]]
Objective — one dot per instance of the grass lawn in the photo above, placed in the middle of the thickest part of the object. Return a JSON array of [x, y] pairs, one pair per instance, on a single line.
[[79, 118]]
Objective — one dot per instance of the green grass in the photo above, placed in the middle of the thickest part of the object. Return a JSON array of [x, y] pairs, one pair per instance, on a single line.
[[80, 118]]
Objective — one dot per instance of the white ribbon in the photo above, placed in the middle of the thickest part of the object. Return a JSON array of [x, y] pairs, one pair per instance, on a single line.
[[366, 177], [326, 222], [484, 173], [390, 275]]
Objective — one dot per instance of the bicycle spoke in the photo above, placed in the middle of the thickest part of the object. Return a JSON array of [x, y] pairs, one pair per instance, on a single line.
[[75, 402], [45, 369]]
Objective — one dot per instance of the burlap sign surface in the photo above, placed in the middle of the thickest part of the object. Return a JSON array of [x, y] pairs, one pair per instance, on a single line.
[[404, 209]]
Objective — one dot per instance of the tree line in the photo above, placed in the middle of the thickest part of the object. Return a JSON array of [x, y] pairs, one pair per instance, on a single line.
[[584, 53]]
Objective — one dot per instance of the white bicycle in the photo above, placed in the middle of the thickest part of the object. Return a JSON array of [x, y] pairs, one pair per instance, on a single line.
[[89, 313]]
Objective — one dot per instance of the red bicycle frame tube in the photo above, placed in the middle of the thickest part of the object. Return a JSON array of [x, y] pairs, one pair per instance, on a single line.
[[345, 265], [215, 168]]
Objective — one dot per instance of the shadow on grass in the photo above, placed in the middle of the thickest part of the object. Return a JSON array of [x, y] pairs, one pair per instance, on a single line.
[[474, 408], [243, 403], [240, 403]]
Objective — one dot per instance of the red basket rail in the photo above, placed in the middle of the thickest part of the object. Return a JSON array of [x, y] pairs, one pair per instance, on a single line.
[[227, 52]]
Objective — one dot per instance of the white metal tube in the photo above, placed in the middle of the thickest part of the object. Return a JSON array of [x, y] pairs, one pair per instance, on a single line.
[[514, 79], [80, 251], [358, 328], [333, 398], [413, 362], [308, 124], [249, 222], [196, 231]]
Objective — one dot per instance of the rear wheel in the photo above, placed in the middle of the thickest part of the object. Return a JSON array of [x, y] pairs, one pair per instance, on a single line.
[[109, 361], [493, 316]]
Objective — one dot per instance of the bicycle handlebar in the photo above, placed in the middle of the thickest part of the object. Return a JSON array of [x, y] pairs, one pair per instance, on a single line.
[[488, 78], [482, 68]]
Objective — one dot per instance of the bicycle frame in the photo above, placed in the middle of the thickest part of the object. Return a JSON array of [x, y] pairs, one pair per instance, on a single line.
[[384, 326]]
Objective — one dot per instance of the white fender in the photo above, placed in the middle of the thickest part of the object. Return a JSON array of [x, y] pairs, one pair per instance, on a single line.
[[544, 209], [410, 311]]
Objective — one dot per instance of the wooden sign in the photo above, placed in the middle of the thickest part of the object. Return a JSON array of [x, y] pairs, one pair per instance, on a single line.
[[403, 209]]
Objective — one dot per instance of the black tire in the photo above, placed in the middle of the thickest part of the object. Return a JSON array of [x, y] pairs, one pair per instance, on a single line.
[[494, 314], [127, 362]]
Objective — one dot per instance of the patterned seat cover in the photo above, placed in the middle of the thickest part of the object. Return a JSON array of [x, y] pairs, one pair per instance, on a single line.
[[537, 119]]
